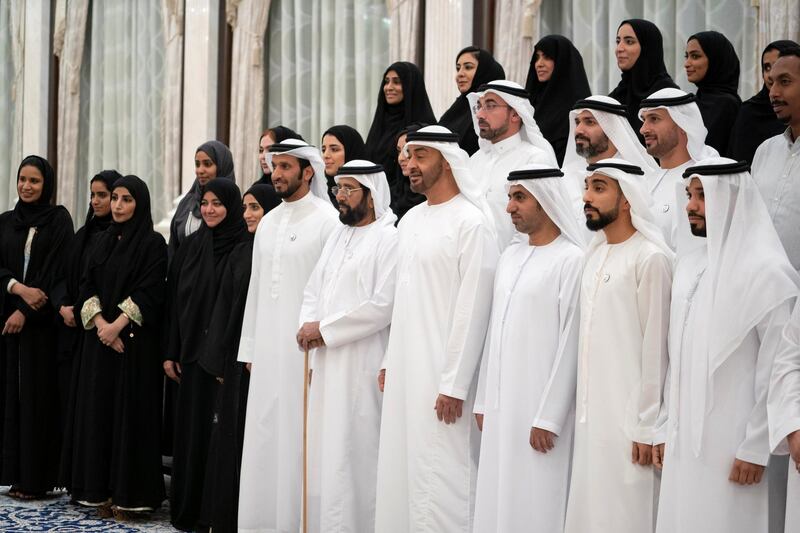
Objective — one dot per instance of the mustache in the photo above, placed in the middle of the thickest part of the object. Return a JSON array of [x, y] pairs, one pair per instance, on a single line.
[[589, 206], [482, 122], [695, 214], [582, 138], [778, 102]]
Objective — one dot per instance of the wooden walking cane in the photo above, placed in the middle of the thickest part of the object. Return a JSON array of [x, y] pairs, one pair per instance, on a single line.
[[305, 444]]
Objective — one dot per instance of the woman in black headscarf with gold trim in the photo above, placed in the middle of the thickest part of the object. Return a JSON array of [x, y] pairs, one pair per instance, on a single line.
[[556, 80], [339, 145], [713, 66], [112, 450], [34, 239], [640, 57], [193, 281], [474, 67]]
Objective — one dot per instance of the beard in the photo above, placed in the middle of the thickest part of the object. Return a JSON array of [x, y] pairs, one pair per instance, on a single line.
[[292, 185], [590, 149], [696, 229], [492, 134], [351, 216], [603, 219]]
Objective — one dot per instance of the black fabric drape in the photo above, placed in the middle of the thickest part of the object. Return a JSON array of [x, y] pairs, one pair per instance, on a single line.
[[552, 100], [717, 93], [458, 117], [648, 74]]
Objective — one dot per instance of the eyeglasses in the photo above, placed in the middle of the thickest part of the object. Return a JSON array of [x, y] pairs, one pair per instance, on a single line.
[[335, 190], [488, 106]]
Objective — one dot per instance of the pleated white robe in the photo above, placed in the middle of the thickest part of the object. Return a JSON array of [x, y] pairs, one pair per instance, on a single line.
[[784, 411], [527, 379], [695, 492], [622, 363], [427, 469], [351, 293], [288, 243]]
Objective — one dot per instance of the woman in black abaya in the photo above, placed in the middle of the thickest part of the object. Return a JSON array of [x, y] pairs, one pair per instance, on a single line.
[[713, 66], [34, 239], [340, 144], [640, 57], [221, 489], [115, 459], [402, 100], [474, 67], [556, 80], [194, 279]]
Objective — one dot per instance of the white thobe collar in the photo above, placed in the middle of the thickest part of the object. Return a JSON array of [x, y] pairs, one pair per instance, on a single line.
[[296, 204], [794, 144], [506, 145]]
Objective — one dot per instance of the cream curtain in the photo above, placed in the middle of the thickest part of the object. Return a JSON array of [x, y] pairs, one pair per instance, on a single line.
[[122, 95], [404, 25], [516, 31], [249, 21], [12, 36], [172, 12], [777, 19], [326, 59], [70, 32]]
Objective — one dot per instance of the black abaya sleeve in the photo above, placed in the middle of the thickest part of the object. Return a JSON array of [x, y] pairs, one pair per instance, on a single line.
[[150, 292]]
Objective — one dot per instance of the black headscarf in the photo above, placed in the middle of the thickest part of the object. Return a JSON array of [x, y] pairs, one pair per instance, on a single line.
[[222, 157], [93, 222], [756, 121], [553, 99], [354, 148], [279, 134], [647, 75], [390, 119], [202, 263], [458, 118], [265, 196], [41, 212], [717, 93], [120, 249]]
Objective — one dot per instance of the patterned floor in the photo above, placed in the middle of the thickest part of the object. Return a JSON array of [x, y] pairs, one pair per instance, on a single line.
[[58, 515]]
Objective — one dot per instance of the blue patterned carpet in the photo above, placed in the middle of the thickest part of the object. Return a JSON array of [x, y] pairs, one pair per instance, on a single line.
[[57, 514]]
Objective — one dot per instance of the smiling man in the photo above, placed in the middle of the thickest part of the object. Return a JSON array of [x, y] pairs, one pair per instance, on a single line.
[[674, 134], [287, 245], [509, 139]]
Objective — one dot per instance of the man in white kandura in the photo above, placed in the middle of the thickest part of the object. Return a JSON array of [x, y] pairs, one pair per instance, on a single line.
[[346, 312], [428, 457], [622, 359], [732, 295], [509, 138], [599, 129], [674, 133], [783, 407], [526, 389], [288, 243]]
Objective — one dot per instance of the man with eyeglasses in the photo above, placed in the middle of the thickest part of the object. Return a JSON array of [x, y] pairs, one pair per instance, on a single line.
[[347, 308], [509, 139]]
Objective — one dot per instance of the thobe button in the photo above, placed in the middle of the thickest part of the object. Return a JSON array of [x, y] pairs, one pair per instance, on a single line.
[[665, 208], [606, 278], [292, 237]]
